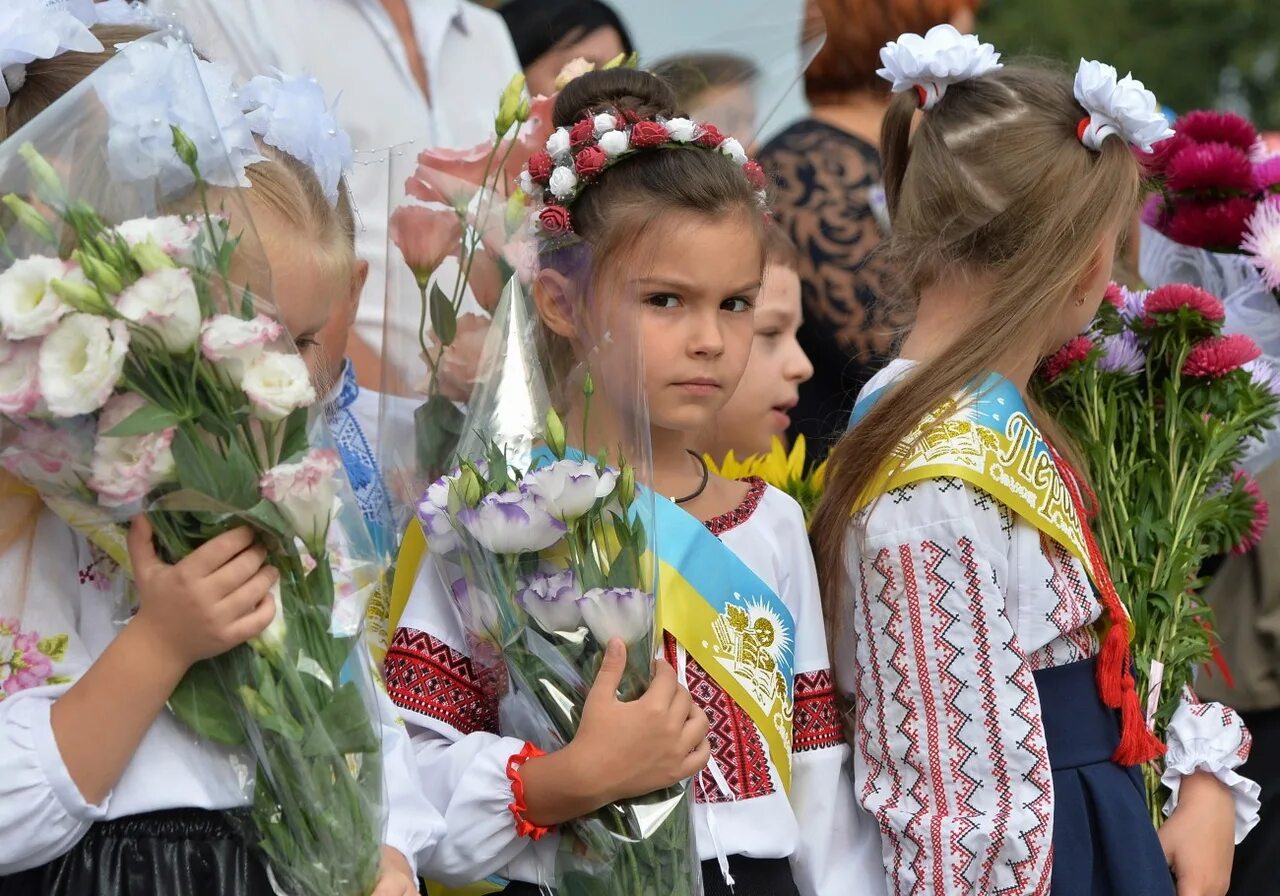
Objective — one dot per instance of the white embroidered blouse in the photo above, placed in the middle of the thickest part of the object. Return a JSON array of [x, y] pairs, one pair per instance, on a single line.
[[740, 807], [951, 603], [72, 608]]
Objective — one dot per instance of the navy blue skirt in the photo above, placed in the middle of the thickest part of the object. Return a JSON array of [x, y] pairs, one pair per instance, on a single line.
[[1103, 840]]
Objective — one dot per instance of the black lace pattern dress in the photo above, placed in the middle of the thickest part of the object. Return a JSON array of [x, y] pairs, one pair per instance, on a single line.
[[827, 198]]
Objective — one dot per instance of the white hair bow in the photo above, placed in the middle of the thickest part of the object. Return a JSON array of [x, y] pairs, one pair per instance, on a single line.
[[41, 29], [1119, 106], [930, 63], [290, 112]]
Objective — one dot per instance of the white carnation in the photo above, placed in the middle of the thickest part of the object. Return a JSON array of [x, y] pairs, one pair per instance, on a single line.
[[615, 143], [682, 130], [563, 182]]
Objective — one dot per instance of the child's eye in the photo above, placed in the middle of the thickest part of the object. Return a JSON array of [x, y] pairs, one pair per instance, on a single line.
[[737, 304], [304, 342], [663, 300], [769, 334]]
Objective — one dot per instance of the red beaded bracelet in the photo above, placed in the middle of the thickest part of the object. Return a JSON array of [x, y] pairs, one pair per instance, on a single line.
[[524, 827]]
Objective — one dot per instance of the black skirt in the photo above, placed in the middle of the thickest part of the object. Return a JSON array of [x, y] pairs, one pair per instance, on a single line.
[[183, 852], [751, 877], [1103, 841]]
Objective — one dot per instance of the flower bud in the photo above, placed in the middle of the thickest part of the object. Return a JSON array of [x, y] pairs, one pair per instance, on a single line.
[[185, 148], [99, 272], [522, 112], [468, 487], [49, 185], [80, 296], [509, 105], [627, 487], [555, 434], [588, 385], [150, 257], [28, 217]]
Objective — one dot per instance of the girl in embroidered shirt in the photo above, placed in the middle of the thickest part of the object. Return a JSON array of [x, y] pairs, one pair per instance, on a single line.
[[984, 708], [102, 790], [676, 232]]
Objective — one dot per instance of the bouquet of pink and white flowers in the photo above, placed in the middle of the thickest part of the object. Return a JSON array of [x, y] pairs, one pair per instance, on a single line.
[[1162, 405], [139, 373]]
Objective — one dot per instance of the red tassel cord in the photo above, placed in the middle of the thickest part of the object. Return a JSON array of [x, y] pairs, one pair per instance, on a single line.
[[1116, 685], [524, 827]]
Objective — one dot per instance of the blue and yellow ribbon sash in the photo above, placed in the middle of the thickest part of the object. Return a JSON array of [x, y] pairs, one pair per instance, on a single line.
[[986, 437]]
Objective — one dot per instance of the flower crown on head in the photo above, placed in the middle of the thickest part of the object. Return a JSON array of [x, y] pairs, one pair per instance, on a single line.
[[1122, 107], [575, 157]]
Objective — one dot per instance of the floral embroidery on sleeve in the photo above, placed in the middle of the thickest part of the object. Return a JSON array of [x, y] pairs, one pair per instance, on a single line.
[[27, 660]]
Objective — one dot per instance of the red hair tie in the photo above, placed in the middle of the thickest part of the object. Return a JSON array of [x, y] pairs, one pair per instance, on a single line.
[[1082, 127], [922, 95]]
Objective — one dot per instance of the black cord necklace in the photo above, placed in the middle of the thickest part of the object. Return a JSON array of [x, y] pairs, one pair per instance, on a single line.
[[706, 477]]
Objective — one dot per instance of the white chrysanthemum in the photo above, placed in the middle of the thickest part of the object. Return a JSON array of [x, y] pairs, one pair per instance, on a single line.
[[943, 56], [1262, 241], [1119, 106]]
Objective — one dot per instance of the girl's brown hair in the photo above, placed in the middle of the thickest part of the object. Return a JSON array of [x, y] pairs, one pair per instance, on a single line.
[[994, 181], [857, 29]]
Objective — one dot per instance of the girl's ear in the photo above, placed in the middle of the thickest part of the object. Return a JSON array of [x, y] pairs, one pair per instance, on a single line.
[[359, 276], [554, 297]]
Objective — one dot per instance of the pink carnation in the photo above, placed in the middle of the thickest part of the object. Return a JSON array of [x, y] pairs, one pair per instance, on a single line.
[[1210, 166], [1216, 226], [1176, 296], [1261, 514], [1266, 174], [1220, 355], [1071, 354], [1205, 126]]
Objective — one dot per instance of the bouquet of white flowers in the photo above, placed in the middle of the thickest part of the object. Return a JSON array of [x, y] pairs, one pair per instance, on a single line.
[[141, 371]]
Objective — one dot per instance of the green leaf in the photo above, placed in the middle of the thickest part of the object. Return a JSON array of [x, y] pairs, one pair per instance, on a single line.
[[295, 443], [344, 726], [246, 304], [201, 702], [232, 479], [437, 429], [266, 515], [145, 420], [55, 647], [444, 319]]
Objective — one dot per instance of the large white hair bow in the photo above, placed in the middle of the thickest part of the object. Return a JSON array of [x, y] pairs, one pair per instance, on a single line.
[[929, 64], [290, 112], [41, 29], [1120, 106]]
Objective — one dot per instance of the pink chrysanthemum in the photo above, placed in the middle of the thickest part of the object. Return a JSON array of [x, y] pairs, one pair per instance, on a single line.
[[1210, 166], [1220, 355], [1071, 354], [1266, 175], [1216, 226], [1114, 296], [1156, 162], [1175, 296], [1206, 126], [1262, 241], [1261, 514], [1153, 212]]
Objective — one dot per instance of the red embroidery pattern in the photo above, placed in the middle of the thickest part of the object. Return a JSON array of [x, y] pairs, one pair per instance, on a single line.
[[740, 514], [1071, 616], [736, 744], [817, 718], [425, 675]]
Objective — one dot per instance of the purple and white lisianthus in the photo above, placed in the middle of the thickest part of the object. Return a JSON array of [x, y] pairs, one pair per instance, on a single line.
[[433, 513], [570, 488], [552, 600], [625, 613], [512, 523]]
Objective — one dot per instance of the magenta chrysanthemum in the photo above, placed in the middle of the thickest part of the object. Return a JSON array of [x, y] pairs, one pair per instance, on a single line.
[[1206, 126], [1210, 166], [1153, 211], [1156, 161], [1215, 226], [1074, 352], [1114, 296], [1262, 241], [1220, 355], [1266, 174], [1175, 296], [1261, 514]]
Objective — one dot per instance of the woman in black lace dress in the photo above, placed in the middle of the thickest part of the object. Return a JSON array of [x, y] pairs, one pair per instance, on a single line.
[[826, 170]]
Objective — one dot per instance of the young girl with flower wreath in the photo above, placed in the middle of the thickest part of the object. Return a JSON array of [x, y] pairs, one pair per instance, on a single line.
[[102, 789], [995, 724], [640, 205]]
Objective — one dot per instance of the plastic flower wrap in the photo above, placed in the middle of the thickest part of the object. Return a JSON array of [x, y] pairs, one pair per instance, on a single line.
[[543, 538], [142, 370], [1163, 407]]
